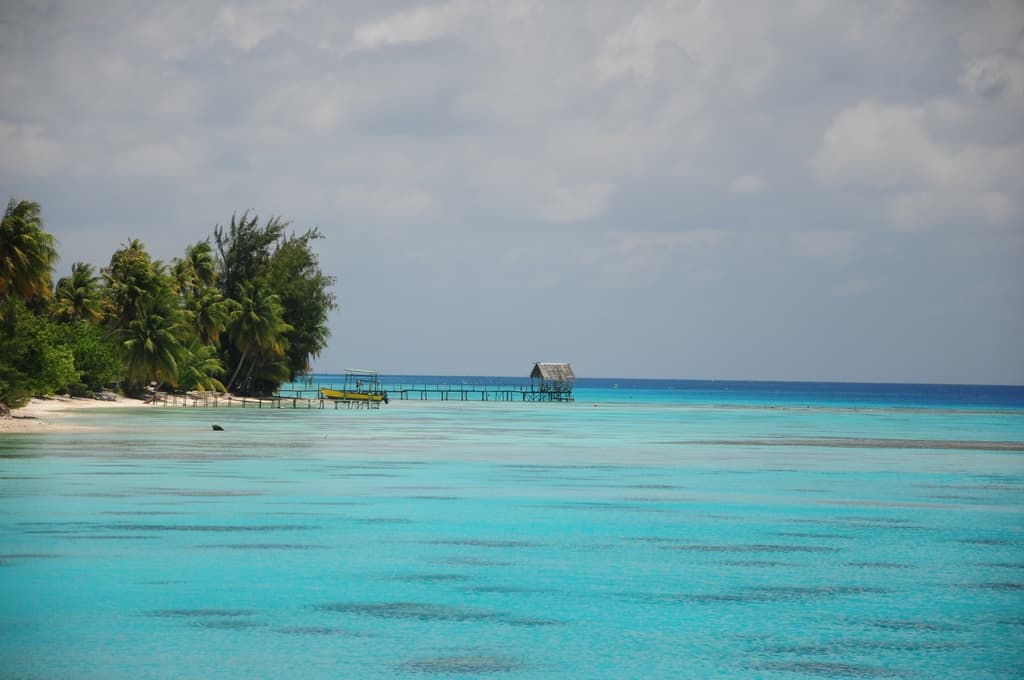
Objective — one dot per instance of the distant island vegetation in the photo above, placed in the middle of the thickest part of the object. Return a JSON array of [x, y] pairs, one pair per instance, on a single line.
[[242, 312]]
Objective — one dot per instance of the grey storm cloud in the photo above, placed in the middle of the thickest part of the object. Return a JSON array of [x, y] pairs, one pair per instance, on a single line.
[[826, 190]]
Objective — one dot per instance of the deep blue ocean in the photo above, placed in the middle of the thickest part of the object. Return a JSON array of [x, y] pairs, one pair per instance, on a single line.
[[649, 529]]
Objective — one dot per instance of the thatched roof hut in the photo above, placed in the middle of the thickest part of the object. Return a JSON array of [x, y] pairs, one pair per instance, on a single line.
[[552, 372], [552, 382]]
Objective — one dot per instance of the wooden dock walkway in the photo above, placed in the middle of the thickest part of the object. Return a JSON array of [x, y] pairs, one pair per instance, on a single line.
[[309, 397], [450, 392], [216, 400]]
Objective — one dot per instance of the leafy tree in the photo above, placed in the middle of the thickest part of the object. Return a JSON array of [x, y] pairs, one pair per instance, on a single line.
[[95, 355], [145, 315], [211, 314], [18, 383], [254, 299], [244, 249], [152, 348], [287, 266], [31, 359], [200, 370], [27, 253], [34, 359], [78, 297], [305, 295], [259, 330], [134, 282], [197, 271]]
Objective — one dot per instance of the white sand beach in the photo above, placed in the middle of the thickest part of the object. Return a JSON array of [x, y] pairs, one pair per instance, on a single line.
[[49, 415]]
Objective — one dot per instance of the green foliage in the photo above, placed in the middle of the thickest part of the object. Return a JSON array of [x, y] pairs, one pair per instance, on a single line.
[[259, 331], [255, 299], [17, 359], [135, 283], [201, 369], [95, 355], [27, 253], [78, 297], [244, 249], [263, 262], [34, 357], [305, 296]]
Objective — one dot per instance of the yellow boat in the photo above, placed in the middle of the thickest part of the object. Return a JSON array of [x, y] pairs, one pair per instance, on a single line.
[[328, 393], [360, 386]]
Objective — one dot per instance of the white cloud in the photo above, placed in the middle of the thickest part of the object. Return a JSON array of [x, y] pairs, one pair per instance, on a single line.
[[710, 38], [928, 208], [923, 180], [572, 203], [748, 185], [822, 243], [156, 160], [420, 24], [1000, 74], [246, 27], [373, 201], [28, 150], [442, 132], [881, 147]]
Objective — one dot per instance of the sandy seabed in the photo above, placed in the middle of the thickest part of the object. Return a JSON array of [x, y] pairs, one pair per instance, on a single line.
[[47, 415]]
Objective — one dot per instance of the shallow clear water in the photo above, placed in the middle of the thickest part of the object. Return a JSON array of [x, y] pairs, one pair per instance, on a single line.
[[629, 534]]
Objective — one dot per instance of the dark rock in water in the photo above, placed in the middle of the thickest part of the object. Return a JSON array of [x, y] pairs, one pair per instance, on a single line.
[[218, 427]]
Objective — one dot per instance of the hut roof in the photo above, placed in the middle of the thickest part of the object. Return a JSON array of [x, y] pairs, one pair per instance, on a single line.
[[551, 371]]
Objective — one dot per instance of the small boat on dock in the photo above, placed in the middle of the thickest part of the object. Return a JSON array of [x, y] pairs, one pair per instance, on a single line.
[[361, 387], [328, 393]]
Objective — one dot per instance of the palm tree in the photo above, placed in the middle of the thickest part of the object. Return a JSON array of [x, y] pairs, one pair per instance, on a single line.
[[259, 329], [78, 297], [199, 369], [211, 314], [27, 253], [152, 348], [197, 271], [134, 282]]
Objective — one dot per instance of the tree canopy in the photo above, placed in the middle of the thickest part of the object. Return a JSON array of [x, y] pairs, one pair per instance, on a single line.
[[252, 304]]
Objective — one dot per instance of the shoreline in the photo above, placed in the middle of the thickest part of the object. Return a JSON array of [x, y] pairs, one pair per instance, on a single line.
[[49, 414]]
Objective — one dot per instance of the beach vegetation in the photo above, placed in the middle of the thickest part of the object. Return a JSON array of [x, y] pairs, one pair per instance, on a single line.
[[78, 297], [276, 279], [27, 254], [252, 298], [96, 357], [259, 333], [34, 358]]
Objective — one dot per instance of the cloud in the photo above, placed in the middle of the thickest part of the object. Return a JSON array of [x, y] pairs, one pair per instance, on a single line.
[[28, 150], [655, 147], [420, 24], [821, 243], [921, 209], [882, 148], [573, 203], [923, 180], [747, 185]]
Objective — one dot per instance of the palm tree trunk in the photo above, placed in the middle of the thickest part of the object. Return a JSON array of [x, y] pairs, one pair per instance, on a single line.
[[231, 383], [248, 376]]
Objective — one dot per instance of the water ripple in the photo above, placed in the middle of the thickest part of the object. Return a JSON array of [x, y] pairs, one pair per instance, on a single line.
[[752, 548], [826, 669], [460, 665], [419, 611]]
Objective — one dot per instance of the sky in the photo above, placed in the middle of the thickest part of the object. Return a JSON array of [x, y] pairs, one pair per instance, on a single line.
[[805, 190]]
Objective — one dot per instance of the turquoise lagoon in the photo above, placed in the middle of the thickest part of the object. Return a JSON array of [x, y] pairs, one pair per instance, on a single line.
[[662, 529]]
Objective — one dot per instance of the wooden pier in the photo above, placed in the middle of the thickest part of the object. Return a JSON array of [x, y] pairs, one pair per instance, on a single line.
[[549, 382], [448, 392], [276, 401]]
